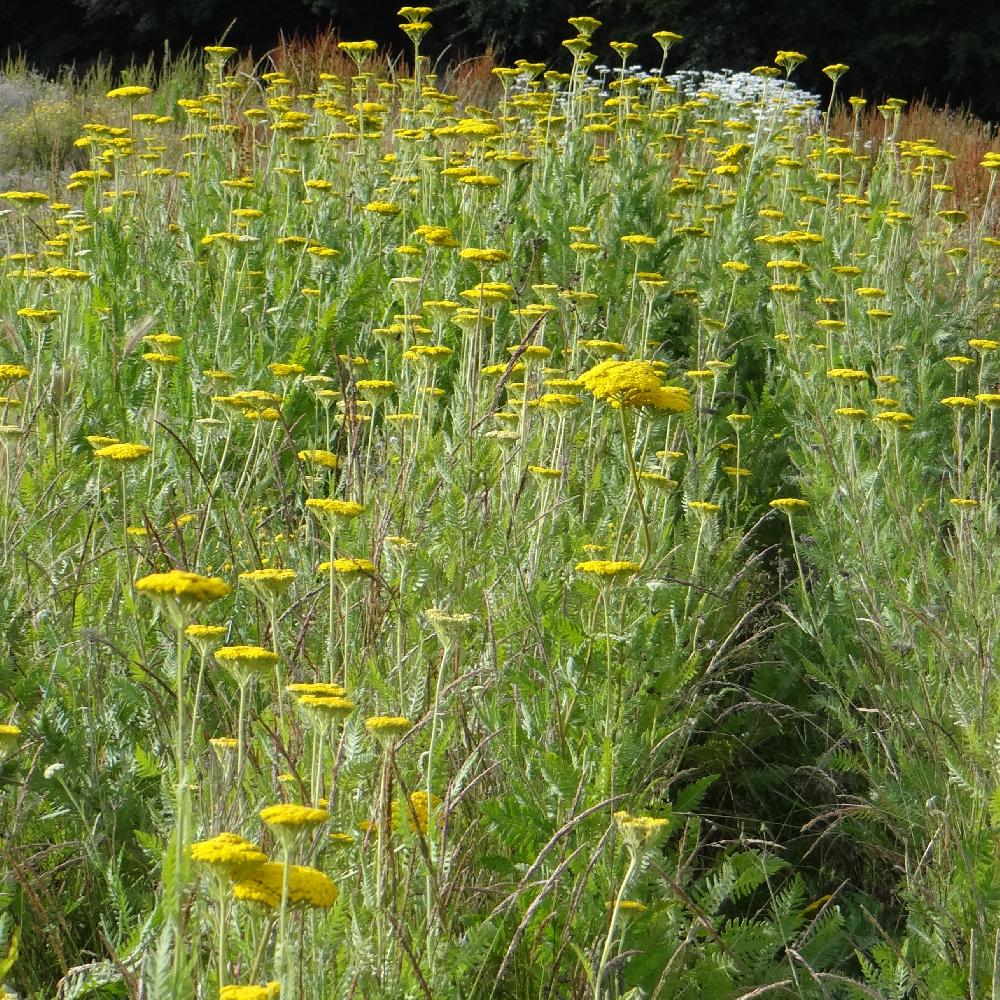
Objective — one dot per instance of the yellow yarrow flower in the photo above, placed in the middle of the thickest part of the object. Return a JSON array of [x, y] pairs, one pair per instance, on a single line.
[[123, 452], [232, 992], [178, 592], [287, 816], [387, 727], [229, 854], [306, 886], [608, 570]]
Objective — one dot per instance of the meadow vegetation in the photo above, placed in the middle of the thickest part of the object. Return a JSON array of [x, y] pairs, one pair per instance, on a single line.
[[518, 531]]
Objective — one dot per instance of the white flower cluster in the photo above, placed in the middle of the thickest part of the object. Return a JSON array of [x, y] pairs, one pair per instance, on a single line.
[[739, 88]]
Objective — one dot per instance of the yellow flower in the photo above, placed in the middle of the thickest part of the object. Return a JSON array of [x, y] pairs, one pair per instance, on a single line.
[[349, 568], [789, 504], [327, 459], [618, 380], [358, 50], [232, 992], [178, 592], [789, 59], [206, 638], [25, 197], [306, 886], [449, 626], [585, 25], [376, 389], [958, 401], [663, 399], [637, 241], [128, 93], [640, 832], [544, 473], [230, 854], [608, 570], [287, 816], [318, 688], [387, 727], [334, 510], [704, 507], [246, 661], [13, 373], [123, 452], [325, 707], [419, 813], [383, 208], [268, 582], [9, 735], [895, 417], [484, 255]]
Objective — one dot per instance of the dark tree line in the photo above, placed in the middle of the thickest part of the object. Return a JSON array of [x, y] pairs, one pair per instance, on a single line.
[[946, 49]]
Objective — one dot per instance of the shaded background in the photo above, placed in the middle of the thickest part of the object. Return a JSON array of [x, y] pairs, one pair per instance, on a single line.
[[948, 50]]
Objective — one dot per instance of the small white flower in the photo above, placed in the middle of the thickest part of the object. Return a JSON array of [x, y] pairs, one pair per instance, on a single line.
[[53, 769]]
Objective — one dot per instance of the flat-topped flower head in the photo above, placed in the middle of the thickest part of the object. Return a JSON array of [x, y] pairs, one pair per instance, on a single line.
[[246, 662], [895, 418], [318, 456], [306, 887], [664, 399], [586, 26], [619, 380], [229, 854], [331, 511], [608, 570], [13, 373], [289, 817], [128, 93], [25, 197], [484, 256], [349, 569], [9, 737], [788, 59], [387, 728], [640, 832], [704, 507], [789, 504], [450, 627], [637, 241], [319, 688], [123, 453], [206, 638], [665, 39], [376, 390], [268, 583], [178, 593], [233, 992], [326, 708], [224, 746]]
